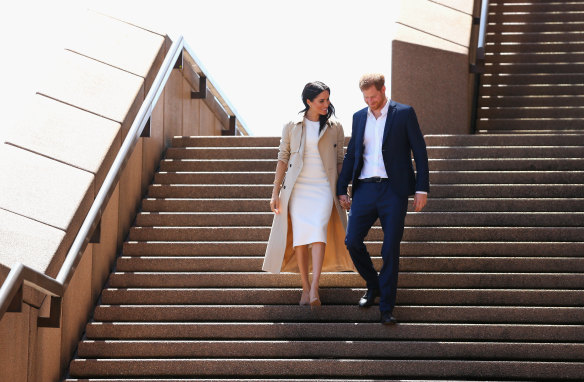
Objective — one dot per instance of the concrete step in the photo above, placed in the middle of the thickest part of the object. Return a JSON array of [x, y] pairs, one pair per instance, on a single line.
[[409, 264], [548, 124], [342, 296], [176, 179], [549, 6], [564, 67], [222, 153], [256, 197], [530, 90], [533, 79], [437, 248], [248, 233], [506, 140], [237, 141], [330, 349], [336, 313], [205, 165], [170, 165], [351, 280], [345, 331], [531, 101], [473, 199], [531, 112], [433, 152], [467, 219], [529, 17], [159, 379], [536, 45], [318, 368], [497, 29], [524, 56]]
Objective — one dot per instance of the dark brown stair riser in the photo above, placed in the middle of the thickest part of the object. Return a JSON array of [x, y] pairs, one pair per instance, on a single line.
[[406, 280], [339, 296], [329, 349], [345, 331]]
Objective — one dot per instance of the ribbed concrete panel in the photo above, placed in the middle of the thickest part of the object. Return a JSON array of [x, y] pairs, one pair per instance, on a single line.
[[91, 141], [116, 43], [92, 86], [20, 237]]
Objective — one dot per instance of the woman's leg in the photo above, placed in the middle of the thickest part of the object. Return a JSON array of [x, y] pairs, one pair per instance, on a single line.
[[302, 259], [317, 260]]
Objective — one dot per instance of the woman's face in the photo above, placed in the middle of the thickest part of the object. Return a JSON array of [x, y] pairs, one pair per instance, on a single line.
[[320, 103]]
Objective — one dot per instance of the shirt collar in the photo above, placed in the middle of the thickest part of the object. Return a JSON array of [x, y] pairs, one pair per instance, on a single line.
[[384, 110]]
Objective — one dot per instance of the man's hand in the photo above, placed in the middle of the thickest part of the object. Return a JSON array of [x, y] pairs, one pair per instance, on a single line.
[[420, 200], [345, 201]]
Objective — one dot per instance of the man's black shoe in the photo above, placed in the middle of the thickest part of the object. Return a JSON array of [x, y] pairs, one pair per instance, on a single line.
[[368, 298], [387, 318]]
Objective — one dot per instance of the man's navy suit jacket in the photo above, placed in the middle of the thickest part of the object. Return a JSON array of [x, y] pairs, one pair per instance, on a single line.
[[401, 137]]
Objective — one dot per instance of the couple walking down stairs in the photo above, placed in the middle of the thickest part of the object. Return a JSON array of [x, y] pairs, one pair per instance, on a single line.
[[491, 284], [492, 271]]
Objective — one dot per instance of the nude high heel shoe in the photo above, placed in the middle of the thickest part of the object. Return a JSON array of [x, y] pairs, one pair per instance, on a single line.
[[305, 299], [315, 301]]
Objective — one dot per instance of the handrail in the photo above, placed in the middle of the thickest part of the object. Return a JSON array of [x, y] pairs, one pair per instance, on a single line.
[[11, 290], [482, 30], [216, 91], [479, 62]]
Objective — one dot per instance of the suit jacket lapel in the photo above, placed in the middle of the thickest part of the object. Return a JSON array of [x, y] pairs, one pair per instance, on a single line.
[[361, 133], [388, 121]]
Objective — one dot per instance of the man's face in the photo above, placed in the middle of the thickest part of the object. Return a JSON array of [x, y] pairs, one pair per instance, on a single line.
[[374, 98]]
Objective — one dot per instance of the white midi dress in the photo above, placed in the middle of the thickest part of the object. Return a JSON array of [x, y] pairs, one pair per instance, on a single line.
[[311, 200]]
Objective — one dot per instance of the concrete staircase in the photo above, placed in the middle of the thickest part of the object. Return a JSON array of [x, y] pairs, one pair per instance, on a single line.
[[491, 284], [534, 80]]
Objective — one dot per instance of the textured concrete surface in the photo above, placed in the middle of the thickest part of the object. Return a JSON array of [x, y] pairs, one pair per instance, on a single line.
[[437, 20], [43, 189], [14, 355], [105, 251], [77, 305], [116, 43], [92, 86], [69, 135], [430, 64], [27, 241]]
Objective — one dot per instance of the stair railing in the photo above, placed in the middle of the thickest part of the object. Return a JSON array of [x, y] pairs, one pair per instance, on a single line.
[[11, 292], [479, 62]]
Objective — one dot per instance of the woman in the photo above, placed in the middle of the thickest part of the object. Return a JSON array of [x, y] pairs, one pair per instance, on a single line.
[[307, 210]]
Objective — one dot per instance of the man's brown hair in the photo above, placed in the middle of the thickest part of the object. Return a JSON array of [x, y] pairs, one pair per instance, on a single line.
[[372, 79]]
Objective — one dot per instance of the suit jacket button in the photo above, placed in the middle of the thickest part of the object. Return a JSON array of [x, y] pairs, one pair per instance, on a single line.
[[290, 165], [335, 145], [283, 186]]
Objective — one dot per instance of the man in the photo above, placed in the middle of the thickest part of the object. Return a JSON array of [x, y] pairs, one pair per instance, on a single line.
[[379, 164]]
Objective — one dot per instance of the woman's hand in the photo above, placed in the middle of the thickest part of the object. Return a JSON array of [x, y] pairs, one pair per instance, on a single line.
[[345, 201], [275, 203]]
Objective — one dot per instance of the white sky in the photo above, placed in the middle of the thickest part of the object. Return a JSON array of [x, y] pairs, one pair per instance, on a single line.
[[261, 53]]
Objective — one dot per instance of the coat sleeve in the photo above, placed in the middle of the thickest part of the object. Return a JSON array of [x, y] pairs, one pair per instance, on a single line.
[[284, 149], [340, 143], [348, 164], [418, 146]]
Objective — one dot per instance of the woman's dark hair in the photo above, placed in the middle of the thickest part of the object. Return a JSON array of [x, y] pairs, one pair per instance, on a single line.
[[310, 92]]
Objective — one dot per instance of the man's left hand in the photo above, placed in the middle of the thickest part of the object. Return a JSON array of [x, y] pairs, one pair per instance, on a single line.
[[420, 200]]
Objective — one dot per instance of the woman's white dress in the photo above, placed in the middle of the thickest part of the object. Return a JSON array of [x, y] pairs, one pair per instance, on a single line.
[[311, 201]]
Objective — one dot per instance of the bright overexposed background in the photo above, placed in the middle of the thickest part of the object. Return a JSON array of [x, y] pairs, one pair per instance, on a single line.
[[260, 52]]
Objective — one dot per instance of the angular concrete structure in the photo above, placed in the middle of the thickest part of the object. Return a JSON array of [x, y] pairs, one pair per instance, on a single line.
[[431, 53], [55, 161]]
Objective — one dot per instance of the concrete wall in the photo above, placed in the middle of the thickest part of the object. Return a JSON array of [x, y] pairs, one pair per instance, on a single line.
[[54, 162], [431, 52]]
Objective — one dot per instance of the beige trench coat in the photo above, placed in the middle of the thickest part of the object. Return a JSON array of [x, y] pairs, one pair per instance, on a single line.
[[280, 252]]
